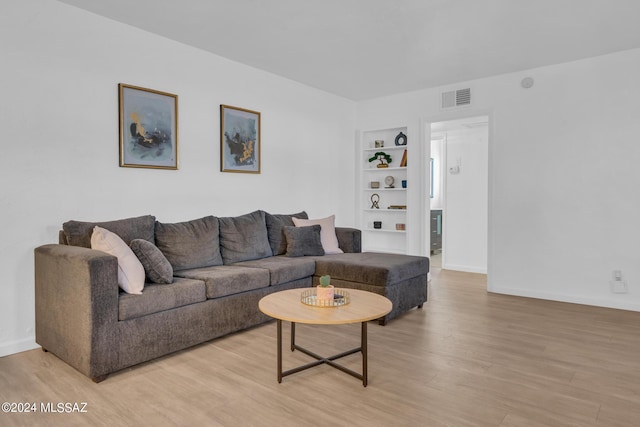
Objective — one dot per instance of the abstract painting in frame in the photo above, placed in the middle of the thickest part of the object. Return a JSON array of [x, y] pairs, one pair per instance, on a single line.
[[148, 128], [240, 141]]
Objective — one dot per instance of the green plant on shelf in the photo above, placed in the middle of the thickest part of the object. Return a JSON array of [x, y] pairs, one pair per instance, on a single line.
[[383, 158]]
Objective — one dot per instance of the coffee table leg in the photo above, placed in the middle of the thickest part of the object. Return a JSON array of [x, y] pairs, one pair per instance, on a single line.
[[363, 344], [320, 359], [279, 328], [293, 336]]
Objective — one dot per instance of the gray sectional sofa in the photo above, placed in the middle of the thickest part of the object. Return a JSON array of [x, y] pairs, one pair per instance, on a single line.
[[209, 275]]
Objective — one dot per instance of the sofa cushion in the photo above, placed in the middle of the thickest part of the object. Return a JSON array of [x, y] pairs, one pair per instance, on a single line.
[[190, 244], [303, 241], [283, 269], [78, 233], [157, 298], [244, 237], [224, 280], [349, 239], [275, 224], [372, 268], [156, 266], [130, 270], [327, 234]]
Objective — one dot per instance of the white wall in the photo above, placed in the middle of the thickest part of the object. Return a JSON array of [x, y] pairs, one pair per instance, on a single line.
[[59, 120], [563, 177]]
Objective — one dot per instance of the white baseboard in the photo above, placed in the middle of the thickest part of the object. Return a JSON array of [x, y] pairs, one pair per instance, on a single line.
[[17, 346], [573, 299], [465, 268]]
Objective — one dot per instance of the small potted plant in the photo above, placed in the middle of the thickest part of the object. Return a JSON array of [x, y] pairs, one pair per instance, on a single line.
[[383, 158], [325, 289]]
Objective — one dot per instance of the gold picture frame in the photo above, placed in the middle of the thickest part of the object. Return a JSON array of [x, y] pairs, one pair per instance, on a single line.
[[148, 122], [240, 140]]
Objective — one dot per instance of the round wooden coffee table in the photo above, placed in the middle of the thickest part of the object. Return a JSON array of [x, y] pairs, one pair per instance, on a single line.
[[363, 307]]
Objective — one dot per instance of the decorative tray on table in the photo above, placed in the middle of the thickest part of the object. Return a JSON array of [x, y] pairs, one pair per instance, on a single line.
[[340, 297]]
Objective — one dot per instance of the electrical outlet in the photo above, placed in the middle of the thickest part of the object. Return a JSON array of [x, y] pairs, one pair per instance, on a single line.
[[617, 275], [619, 287]]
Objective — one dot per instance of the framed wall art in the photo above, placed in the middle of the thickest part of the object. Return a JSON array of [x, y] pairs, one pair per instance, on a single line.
[[240, 141], [148, 128]]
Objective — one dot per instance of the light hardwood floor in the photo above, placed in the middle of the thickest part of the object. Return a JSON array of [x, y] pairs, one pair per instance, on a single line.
[[469, 358]]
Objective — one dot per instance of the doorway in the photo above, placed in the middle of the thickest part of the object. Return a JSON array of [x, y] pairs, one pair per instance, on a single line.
[[458, 194]]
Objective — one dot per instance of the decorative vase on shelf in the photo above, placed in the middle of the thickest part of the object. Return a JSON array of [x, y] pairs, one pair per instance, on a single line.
[[324, 291]]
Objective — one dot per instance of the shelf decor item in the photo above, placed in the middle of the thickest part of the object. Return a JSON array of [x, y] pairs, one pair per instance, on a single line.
[[389, 181], [240, 141], [403, 162], [401, 139], [375, 201], [381, 157], [400, 227], [148, 128], [377, 225], [375, 184], [379, 143], [324, 290]]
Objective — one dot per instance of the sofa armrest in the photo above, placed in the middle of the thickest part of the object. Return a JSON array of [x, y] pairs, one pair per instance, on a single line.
[[76, 297], [349, 239]]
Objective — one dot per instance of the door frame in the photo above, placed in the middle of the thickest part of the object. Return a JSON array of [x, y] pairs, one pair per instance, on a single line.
[[425, 124]]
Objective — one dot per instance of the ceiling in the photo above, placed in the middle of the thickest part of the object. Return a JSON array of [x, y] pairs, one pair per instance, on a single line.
[[362, 49]]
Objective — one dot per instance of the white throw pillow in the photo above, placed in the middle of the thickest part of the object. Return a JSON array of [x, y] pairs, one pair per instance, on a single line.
[[327, 233], [130, 269]]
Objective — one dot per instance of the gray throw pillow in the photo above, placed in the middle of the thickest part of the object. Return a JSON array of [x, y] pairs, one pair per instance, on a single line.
[[190, 244], [303, 241], [243, 238], [156, 266], [78, 233], [275, 224]]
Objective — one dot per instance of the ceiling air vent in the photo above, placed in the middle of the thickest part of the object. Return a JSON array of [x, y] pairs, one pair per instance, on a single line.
[[456, 98]]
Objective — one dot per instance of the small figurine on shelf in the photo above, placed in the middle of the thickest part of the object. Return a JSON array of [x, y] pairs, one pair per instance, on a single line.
[[383, 158], [325, 289]]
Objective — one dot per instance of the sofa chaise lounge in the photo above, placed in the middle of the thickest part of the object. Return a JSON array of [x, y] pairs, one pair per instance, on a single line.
[[204, 279]]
